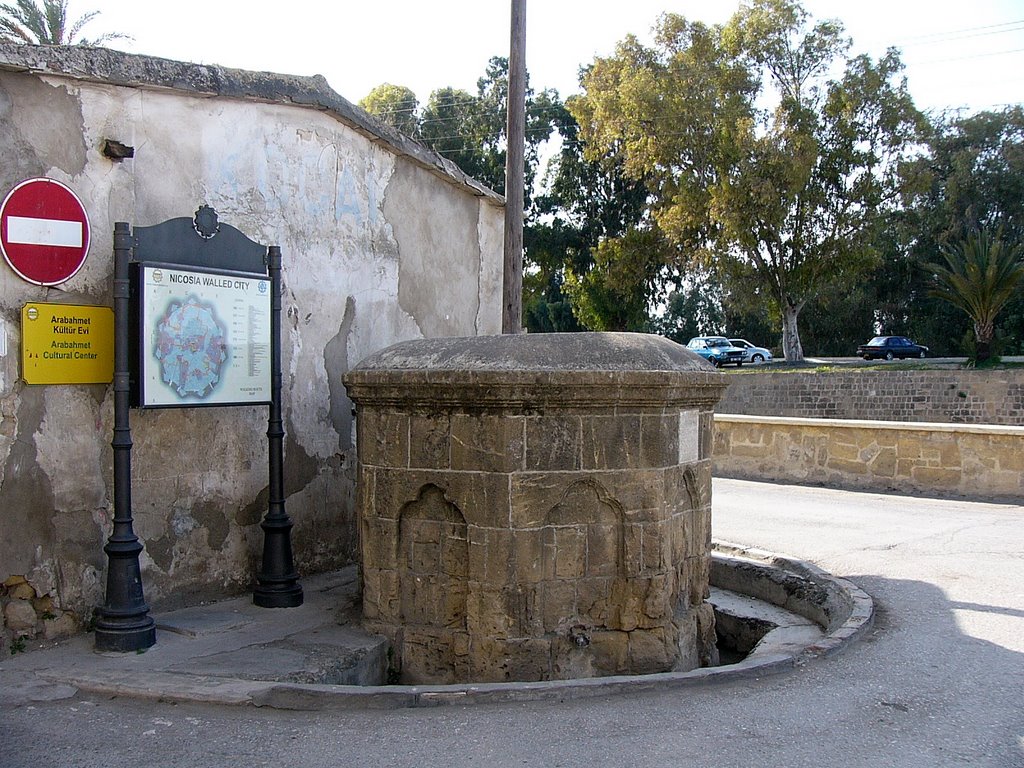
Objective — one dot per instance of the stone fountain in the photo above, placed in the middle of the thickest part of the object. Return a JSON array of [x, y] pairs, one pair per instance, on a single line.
[[536, 507]]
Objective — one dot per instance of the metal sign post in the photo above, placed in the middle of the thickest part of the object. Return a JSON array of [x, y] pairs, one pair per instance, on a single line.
[[123, 623], [278, 585], [210, 261]]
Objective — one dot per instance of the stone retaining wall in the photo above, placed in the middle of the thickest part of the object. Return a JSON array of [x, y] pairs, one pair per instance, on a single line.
[[985, 461], [954, 396]]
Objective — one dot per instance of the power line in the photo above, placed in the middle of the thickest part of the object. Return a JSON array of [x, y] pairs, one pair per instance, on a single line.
[[971, 56], [965, 33]]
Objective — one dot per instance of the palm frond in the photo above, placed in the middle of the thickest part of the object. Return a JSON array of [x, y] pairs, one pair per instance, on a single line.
[[25, 21], [979, 276]]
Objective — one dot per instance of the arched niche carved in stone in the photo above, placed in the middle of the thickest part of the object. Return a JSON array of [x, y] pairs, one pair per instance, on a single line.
[[433, 561]]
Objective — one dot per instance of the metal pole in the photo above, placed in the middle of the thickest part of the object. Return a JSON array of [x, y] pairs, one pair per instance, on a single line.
[[123, 623], [512, 293], [278, 585]]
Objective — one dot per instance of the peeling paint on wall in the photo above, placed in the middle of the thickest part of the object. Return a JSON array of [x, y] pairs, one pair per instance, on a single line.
[[381, 242], [434, 245]]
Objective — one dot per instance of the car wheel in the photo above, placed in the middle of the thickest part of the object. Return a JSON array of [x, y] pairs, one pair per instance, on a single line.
[[921, 354], [867, 357], [757, 359], [888, 355], [716, 362]]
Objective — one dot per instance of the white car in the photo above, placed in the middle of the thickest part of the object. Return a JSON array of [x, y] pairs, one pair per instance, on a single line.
[[752, 354]]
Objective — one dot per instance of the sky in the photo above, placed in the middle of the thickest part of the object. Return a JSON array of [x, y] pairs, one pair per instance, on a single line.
[[958, 55]]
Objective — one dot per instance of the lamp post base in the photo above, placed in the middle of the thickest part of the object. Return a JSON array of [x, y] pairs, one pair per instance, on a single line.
[[288, 595], [125, 636]]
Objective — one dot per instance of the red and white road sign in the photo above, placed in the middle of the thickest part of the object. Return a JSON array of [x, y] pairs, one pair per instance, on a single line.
[[44, 231]]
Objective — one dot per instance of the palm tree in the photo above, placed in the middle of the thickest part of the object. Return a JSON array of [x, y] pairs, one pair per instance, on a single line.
[[23, 21], [981, 274]]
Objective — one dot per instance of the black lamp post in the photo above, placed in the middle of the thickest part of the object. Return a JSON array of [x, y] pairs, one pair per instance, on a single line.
[[123, 623], [278, 585]]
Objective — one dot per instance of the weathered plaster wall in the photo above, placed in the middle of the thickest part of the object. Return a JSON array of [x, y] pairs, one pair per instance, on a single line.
[[382, 242]]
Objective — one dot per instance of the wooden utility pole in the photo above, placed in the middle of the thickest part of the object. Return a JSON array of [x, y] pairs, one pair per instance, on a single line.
[[512, 285]]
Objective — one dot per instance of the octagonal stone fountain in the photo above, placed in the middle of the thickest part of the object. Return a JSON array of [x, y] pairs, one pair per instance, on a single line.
[[536, 507]]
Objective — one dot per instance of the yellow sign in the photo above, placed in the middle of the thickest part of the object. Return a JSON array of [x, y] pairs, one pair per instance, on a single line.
[[67, 344]]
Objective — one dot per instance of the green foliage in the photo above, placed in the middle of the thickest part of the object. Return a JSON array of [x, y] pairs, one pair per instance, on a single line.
[[971, 176], [693, 309], [469, 129], [451, 125], [616, 293], [788, 197], [980, 275], [24, 21], [546, 308], [395, 105], [585, 203]]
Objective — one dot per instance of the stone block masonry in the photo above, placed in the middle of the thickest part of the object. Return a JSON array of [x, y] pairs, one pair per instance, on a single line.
[[934, 396], [536, 507], [981, 461]]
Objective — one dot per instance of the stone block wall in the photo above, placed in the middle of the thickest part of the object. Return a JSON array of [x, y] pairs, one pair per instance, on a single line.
[[981, 461], [480, 531], [939, 396]]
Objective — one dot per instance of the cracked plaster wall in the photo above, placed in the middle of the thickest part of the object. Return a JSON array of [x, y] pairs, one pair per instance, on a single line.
[[376, 250]]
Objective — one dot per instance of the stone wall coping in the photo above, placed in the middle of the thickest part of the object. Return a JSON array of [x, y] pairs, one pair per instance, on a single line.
[[531, 352], [107, 66], [578, 369], [902, 426], [476, 391]]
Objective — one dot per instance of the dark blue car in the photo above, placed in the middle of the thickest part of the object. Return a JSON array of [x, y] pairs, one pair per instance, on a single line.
[[889, 347]]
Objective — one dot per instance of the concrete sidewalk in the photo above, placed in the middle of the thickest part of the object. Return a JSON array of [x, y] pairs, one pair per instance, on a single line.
[[316, 656]]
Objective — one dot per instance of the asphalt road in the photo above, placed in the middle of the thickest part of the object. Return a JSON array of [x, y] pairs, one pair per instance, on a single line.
[[938, 682]]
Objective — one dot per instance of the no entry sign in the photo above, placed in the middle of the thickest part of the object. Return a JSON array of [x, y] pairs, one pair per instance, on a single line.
[[44, 232]]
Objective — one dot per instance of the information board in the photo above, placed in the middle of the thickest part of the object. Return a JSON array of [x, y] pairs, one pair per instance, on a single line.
[[204, 337], [67, 344]]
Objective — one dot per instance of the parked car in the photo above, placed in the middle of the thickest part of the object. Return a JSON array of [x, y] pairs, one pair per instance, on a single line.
[[752, 354], [717, 349], [888, 347]]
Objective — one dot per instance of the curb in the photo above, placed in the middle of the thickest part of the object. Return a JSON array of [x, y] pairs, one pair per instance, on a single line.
[[846, 610]]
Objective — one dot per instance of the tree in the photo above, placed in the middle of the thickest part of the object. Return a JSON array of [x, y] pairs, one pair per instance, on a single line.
[[788, 197], [980, 275], [586, 204], [615, 293], [395, 105], [694, 309], [469, 129], [23, 21], [970, 176]]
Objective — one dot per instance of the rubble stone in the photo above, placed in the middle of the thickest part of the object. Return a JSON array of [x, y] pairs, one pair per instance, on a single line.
[[20, 617]]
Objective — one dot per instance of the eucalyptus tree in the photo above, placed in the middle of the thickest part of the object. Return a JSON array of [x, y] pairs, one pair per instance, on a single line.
[[785, 197], [26, 21], [586, 208]]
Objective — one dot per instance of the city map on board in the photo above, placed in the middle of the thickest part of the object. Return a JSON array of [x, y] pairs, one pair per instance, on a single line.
[[191, 345], [205, 338]]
